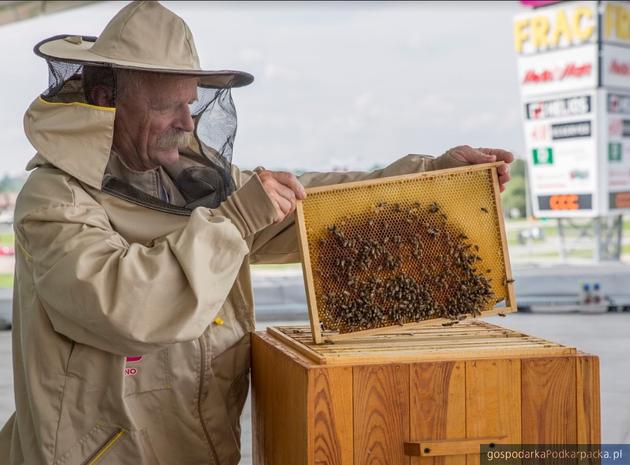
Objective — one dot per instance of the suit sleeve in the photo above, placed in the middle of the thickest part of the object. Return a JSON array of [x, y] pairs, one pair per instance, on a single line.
[[120, 297]]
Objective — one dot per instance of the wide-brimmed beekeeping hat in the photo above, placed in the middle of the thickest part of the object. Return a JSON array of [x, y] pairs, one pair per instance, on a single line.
[[146, 36]]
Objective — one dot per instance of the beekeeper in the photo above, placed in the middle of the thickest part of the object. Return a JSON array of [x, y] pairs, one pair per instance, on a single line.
[[134, 235]]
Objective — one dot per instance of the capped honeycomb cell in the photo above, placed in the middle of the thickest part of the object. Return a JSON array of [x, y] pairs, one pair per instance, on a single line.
[[404, 250]]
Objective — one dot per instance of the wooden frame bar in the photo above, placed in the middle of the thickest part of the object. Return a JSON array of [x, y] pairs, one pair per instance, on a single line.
[[314, 318]]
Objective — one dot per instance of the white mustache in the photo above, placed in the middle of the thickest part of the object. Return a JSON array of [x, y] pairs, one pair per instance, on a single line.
[[172, 139]]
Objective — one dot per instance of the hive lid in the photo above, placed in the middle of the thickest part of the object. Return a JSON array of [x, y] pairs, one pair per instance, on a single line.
[[471, 339], [421, 240]]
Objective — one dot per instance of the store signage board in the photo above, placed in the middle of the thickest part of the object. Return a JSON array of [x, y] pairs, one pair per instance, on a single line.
[[616, 148], [555, 27], [561, 143], [616, 23], [558, 71], [576, 106], [615, 67]]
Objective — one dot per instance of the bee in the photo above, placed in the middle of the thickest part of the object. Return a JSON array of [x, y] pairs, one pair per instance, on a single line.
[[501, 314], [434, 207], [450, 323], [483, 209]]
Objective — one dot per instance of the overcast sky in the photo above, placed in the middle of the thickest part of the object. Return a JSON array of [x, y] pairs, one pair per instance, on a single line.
[[337, 84]]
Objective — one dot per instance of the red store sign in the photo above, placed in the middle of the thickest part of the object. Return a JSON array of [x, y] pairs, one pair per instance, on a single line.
[[622, 69], [570, 70]]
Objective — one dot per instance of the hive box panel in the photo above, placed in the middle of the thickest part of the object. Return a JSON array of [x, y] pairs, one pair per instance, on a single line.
[[404, 250], [381, 408]]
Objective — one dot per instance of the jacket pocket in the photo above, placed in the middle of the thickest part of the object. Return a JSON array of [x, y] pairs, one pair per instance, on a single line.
[[144, 373], [105, 448], [99, 369], [92, 446], [110, 445], [134, 448]]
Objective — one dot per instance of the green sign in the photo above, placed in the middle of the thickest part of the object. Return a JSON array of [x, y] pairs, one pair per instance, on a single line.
[[614, 151], [543, 156]]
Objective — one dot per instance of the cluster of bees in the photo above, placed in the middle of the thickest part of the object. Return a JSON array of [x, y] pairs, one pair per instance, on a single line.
[[397, 264]]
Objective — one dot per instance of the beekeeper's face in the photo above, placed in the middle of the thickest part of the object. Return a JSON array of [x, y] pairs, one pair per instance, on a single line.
[[153, 117]]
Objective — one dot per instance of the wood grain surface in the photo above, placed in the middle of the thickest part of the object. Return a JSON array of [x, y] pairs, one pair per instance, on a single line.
[[332, 418], [437, 407], [381, 414], [386, 413], [279, 407], [588, 400], [493, 401], [549, 400]]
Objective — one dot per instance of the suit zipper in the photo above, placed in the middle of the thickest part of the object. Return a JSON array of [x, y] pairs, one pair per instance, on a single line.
[[202, 374], [113, 439], [164, 209]]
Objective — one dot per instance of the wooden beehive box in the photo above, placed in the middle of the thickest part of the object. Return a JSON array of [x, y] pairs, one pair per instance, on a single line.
[[416, 396], [404, 250]]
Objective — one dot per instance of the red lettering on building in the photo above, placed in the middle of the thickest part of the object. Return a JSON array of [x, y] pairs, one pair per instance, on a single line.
[[620, 68], [533, 76], [571, 70]]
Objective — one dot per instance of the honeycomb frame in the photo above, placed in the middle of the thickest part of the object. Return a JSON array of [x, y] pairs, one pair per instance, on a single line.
[[478, 218]]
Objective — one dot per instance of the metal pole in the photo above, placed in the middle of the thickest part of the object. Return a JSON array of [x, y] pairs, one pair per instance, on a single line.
[[597, 255], [528, 200], [619, 238], [563, 252]]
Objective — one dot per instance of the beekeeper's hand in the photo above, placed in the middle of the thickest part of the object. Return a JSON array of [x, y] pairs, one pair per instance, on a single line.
[[283, 189], [472, 156]]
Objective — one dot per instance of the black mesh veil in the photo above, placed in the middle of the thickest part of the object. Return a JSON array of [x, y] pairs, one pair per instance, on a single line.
[[214, 114], [203, 175]]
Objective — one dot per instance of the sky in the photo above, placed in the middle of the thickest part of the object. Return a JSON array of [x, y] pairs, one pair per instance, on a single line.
[[337, 85]]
